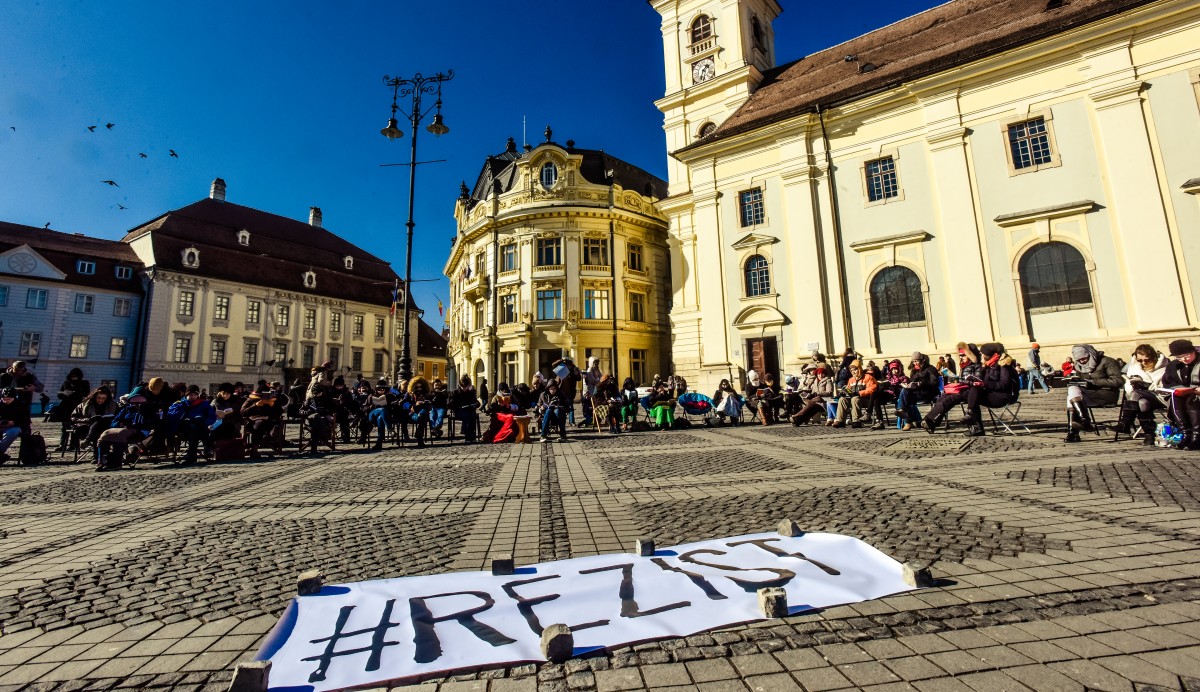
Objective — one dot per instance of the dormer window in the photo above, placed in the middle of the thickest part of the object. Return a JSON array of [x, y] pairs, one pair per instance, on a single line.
[[348, 261], [549, 175], [310, 279], [85, 267], [702, 29], [191, 258], [706, 129], [244, 237], [124, 273]]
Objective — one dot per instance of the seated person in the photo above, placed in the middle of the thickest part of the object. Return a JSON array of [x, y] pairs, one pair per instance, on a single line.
[[767, 399], [193, 418], [228, 406], [318, 414], [14, 420], [820, 392], [607, 397], [415, 408], [888, 392], [955, 393], [464, 401], [507, 422], [262, 413], [1095, 381], [997, 385], [93, 416], [1143, 379], [138, 423], [662, 407], [629, 403], [376, 405], [553, 408], [439, 399], [856, 396], [922, 387], [1181, 381], [727, 403], [792, 395]]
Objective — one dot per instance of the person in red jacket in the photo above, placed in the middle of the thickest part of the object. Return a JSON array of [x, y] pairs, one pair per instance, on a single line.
[[856, 396]]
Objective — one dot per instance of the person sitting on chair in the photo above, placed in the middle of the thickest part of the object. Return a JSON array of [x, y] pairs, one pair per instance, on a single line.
[[465, 403], [856, 396], [819, 394], [1096, 381], [768, 400], [1143, 379], [996, 386], [502, 411], [888, 392], [439, 399], [606, 397], [662, 407], [228, 406], [1181, 380], [922, 387], [14, 420], [727, 403], [553, 408], [629, 403], [262, 411], [376, 406], [194, 417], [93, 416]]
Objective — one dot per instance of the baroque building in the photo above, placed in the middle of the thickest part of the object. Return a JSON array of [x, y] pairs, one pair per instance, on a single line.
[[559, 251], [987, 170], [238, 294], [69, 301]]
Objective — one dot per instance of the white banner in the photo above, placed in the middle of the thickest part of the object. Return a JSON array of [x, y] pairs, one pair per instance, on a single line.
[[375, 631]]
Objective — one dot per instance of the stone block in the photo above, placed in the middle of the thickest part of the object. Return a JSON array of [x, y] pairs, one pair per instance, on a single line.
[[645, 547], [917, 574], [310, 582], [558, 643], [251, 676], [772, 602], [503, 565], [789, 527]]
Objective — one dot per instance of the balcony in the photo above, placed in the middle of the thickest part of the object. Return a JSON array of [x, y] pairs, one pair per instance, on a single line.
[[475, 287], [700, 47]]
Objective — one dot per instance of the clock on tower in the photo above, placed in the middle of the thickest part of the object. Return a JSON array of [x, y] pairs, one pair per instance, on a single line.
[[703, 70]]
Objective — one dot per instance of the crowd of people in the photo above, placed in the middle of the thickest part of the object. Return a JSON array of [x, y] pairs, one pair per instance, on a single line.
[[843, 392]]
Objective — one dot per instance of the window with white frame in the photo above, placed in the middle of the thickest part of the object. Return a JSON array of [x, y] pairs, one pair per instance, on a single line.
[[84, 303], [702, 28], [881, 179], [380, 327], [183, 349], [124, 273], [283, 315], [116, 348], [508, 257], [378, 363], [480, 317], [508, 308], [253, 311], [1029, 144], [250, 353], [508, 366], [357, 325], [121, 307], [356, 360], [216, 352], [335, 355], [310, 318], [635, 257], [281, 351], [35, 299], [79, 345], [595, 304], [750, 207], [637, 365], [549, 175], [758, 276], [85, 267], [221, 308], [308, 355], [335, 322], [31, 343], [187, 304]]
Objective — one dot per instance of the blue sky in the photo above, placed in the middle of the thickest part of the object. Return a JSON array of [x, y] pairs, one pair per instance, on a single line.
[[285, 102]]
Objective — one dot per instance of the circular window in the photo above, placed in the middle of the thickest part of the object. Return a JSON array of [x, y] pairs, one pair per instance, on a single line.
[[549, 175]]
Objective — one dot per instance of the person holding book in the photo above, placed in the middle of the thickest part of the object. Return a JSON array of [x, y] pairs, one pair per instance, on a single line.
[[1143, 379], [1180, 381], [1095, 382]]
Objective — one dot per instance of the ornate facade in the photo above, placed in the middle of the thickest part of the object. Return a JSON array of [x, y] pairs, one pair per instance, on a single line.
[[1008, 170], [559, 252]]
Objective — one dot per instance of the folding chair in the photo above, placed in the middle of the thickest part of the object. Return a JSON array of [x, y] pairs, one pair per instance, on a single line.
[[1007, 417]]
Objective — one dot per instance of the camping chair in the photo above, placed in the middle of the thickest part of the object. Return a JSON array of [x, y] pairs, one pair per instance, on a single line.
[[310, 442], [696, 405], [1007, 417], [600, 413]]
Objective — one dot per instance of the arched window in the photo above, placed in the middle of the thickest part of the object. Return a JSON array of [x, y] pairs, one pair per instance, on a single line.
[[243, 237], [701, 29], [758, 276], [896, 298], [756, 33], [1054, 277], [707, 129], [549, 175]]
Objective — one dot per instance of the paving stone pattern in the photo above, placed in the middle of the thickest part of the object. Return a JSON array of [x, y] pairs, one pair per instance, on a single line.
[[901, 527], [136, 485], [1061, 568], [398, 477], [1166, 479], [695, 463]]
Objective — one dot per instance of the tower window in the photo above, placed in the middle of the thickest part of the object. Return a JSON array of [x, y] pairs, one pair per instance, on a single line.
[[702, 29], [549, 175]]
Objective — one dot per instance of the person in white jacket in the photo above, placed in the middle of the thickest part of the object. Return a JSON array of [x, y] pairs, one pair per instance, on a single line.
[[1143, 376]]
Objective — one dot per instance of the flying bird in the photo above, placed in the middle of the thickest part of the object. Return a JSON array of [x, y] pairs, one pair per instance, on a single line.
[[141, 155], [173, 154], [91, 128], [47, 225], [12, 128], [110, 182], [119, 206], [110, 125]]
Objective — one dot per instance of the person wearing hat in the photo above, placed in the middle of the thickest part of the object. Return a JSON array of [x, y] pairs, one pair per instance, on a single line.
[[228, 405], [14, 420], [1182, 378], [1035, 368], [22, 381], [1097, 382], [998, 385], [262, 411]]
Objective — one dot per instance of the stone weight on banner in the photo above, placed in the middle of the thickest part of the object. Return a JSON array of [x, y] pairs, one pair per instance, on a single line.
[[558, 643], [644, 547], [310, 582], [503, 565], [789, 528], [772, 601], [251, 676], [916, 573]]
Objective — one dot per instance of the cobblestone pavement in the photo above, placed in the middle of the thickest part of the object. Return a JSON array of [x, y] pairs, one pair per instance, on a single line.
[[1063, 567]]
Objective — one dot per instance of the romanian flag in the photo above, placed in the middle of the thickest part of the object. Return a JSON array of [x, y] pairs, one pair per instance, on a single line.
[[439, 306], [395, 300]]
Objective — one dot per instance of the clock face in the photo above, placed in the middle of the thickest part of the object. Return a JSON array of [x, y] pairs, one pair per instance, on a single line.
[[703, 70]]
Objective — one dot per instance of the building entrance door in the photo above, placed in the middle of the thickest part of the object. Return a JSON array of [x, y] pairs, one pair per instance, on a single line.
[[762, 356]]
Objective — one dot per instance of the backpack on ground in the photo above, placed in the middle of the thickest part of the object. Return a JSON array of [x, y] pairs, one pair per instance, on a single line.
[[33, 450]]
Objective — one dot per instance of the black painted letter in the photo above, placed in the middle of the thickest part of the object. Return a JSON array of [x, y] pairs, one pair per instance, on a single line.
[[429, 648]]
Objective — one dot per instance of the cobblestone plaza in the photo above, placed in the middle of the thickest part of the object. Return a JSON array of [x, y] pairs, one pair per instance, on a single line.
[[1062, 567]]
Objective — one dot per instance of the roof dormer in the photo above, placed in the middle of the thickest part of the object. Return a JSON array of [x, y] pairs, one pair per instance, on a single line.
[[310, 279], [348, 261], [191, 258], [244, 238]]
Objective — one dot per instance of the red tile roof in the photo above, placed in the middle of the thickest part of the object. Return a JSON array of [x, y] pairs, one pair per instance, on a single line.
[[64, 250], [947, 36]]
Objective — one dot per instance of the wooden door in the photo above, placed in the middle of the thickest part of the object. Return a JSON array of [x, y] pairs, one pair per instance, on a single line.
[[763, 356]]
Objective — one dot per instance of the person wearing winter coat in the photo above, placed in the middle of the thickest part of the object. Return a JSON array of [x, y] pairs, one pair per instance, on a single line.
[[855, 396], [998, 385], [1143, 378], [888, 393], [629, 403], [1096, 381], [14, 420], [70, 394], [464, 401], [19, 378], [727, 403], [194, 417], [553, 406], [92, 416], [1035, 368], [922, 387], [1182, 378], [820, 391]]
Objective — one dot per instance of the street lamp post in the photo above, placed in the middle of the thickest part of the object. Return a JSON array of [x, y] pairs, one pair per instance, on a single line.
[[415, 87]]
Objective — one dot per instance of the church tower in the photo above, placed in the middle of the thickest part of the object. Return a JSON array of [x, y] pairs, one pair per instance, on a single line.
[[715, 53]]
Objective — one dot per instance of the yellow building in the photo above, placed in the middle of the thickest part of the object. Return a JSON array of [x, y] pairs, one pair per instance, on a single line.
[[1008, 170], [560, 251]]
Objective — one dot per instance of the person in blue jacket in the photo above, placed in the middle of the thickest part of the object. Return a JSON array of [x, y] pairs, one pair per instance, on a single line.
[[193, 417]]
